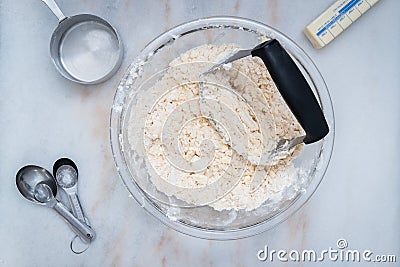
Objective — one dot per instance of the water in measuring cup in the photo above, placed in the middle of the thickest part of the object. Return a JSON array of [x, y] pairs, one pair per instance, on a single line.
[[89, 51]]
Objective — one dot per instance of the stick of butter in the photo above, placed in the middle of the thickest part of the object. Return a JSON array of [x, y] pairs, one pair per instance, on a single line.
[[335, 20]]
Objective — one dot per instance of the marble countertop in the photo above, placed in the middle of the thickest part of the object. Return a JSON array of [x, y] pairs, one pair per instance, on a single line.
[[44, 116]]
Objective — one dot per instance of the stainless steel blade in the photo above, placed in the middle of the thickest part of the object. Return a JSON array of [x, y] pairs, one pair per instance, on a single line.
[[288, 144], [230, 58]]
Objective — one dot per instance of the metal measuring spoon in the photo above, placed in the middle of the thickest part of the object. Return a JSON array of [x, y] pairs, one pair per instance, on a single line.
[[37, 185], [85, 48], [66, 173]]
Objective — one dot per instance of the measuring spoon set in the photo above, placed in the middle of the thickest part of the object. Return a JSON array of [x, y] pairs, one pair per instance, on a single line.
[[39, 186]]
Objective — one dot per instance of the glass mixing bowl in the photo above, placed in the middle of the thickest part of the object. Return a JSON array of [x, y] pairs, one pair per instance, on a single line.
[[203, 221]]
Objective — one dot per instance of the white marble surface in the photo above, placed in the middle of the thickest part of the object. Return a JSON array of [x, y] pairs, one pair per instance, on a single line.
[[44, 116]]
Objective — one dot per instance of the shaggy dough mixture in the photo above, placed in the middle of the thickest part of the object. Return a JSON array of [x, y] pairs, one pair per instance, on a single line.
[[177, 137]]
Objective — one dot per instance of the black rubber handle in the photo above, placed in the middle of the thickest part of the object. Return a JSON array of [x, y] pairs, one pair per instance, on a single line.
[[294, 89]]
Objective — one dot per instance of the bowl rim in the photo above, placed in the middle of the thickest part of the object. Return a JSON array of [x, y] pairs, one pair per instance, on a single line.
[[251, 230]]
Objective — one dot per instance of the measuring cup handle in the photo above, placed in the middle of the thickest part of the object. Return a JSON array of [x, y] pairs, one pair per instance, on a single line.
[[84, 231], [294, 89], [55, 9]]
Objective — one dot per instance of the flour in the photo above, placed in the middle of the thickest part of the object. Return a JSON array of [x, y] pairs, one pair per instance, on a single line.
[[191, 154]]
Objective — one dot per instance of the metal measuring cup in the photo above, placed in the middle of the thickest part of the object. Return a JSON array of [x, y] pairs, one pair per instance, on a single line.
[[85, 48]]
